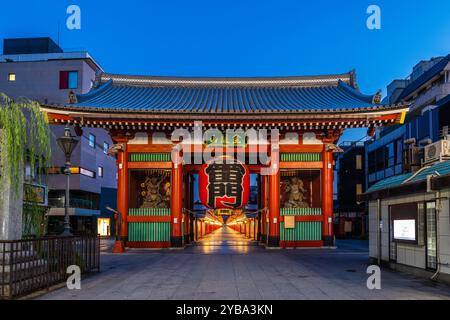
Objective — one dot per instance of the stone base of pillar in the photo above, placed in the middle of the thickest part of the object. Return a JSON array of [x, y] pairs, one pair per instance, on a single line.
[[119, 247], [273, 241], [176, 242], [262, 238], [192, 237], [328, 241]]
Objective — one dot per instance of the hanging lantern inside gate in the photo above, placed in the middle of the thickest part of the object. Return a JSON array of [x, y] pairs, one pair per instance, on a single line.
[[224, 182]]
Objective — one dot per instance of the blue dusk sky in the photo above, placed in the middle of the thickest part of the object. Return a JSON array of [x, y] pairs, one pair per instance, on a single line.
[[243, 38]]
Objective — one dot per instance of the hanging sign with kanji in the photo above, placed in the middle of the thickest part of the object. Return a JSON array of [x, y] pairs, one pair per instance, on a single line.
[[224, 183]]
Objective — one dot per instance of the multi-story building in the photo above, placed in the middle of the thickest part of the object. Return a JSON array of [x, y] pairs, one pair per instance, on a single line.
[[408, 177], [38, 69], [409, 226], [349, 207], [427, 90]]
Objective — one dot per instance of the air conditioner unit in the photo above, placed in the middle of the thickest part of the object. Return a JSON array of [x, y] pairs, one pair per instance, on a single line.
[[412, 158], [437, 151]]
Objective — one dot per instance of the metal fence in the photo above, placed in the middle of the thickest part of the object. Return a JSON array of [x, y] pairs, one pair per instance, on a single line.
[[30, 265]]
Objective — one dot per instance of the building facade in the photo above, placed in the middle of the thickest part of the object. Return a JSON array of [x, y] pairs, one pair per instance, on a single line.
[[350, 208], [408, 176], [38, 69], [409, 221], [427, 90], [169, 131]]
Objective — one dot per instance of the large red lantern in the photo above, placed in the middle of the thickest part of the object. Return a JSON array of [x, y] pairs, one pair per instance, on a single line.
[[224, 182]]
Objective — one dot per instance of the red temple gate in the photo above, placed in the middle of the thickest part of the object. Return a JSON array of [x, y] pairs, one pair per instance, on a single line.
[[156, 178]]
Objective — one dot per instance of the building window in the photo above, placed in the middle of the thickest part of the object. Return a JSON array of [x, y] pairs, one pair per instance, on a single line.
[[358, 162], [11, 77], [424, 126], [30, 174], [390, 155], [100, 171], [399, 151], [431, 229], [105, 147], [68, 79], [380, 160], [91, 140], [358, 189]]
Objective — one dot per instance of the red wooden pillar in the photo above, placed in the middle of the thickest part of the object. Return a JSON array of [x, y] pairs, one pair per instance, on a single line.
[[176, 203], [191, 207], [122, 198], [186, 228], [274, 209], [263, 217], [327, 196]]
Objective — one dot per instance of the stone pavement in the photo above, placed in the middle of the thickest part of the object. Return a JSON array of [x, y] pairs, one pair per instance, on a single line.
[[225, 265]]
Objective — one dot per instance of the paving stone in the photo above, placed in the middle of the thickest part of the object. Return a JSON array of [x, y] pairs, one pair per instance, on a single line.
[[217, 268]]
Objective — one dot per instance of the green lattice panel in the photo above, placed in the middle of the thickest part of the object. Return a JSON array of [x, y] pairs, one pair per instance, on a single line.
[[301, 157], [301, 211], [302, 231], [149, 212], [149, 231], [149, 157]]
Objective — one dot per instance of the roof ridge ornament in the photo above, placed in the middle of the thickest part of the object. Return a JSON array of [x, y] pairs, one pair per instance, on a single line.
[[353, 82], [377, 97], [72, 97]]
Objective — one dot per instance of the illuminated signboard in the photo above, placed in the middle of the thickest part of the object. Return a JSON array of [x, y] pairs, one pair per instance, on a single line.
[[224, 212], [405, 229], [224, 183], [73, 170], [404, 222]]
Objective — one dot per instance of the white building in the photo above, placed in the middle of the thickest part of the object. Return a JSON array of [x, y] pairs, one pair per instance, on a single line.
[[409, 224]]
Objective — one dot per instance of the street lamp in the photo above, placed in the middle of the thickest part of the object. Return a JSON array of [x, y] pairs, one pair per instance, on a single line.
[[67, 143]]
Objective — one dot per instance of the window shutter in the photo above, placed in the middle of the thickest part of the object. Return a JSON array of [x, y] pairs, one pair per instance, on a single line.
[[63, 79]]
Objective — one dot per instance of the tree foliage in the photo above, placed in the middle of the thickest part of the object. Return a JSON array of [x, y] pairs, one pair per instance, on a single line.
[[24, 137]]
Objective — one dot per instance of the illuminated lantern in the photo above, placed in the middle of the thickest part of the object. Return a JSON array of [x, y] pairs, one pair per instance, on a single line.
[[224, 182]]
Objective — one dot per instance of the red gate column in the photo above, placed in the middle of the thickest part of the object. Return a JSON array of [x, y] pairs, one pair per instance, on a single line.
[[122, 198], [274, 210], [262, 215], [327, 196], [176, 202], [191, 207]]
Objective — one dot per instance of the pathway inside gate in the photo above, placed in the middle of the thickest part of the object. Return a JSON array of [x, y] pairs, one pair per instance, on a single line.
[[224, 241], [225, 265]]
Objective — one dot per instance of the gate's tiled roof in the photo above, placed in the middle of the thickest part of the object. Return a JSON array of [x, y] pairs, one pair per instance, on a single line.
[[275, 95]]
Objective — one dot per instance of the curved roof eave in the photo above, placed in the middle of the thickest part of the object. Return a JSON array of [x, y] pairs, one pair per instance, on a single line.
[[332, 95]]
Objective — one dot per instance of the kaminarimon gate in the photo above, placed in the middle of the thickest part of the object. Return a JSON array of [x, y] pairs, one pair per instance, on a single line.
[[255, 154]]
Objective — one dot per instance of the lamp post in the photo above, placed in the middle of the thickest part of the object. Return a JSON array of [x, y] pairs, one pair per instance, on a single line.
[[67, 143]]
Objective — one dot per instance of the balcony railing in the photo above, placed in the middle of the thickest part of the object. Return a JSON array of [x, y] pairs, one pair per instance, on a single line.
[[31, 265]]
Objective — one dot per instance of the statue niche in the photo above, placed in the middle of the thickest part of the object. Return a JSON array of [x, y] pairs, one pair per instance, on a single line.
[[294, 194], [155, 191]]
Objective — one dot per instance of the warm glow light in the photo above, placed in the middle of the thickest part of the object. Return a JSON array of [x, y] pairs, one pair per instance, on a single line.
[[103, 226], [12, 77]]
